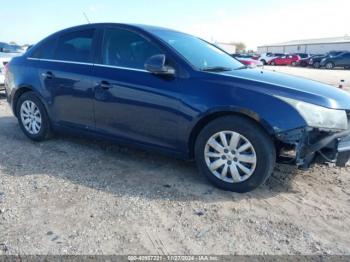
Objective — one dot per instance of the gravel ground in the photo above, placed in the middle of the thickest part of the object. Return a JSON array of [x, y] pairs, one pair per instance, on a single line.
[[77, 196]]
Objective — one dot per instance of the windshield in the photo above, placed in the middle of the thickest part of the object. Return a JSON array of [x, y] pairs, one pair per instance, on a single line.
[[198, 53]]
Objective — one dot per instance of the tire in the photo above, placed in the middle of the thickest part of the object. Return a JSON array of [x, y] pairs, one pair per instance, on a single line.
[[273, 63], [264, 62], [30, 108], [262, 148], [316, 65], [329, 65], [294, 63]]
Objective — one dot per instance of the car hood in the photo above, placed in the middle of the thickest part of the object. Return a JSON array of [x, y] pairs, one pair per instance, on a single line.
[[278, 84]]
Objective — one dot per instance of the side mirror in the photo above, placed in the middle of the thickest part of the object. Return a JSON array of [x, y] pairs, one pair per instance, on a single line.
[[156, 65]]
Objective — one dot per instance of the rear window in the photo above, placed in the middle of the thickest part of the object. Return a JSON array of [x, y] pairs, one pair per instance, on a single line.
[[75, 46]]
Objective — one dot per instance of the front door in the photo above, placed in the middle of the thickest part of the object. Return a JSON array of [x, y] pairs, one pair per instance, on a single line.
[[131, 103]]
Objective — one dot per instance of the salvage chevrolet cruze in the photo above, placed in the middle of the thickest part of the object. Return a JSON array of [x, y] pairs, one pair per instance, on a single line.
[[168, 91]]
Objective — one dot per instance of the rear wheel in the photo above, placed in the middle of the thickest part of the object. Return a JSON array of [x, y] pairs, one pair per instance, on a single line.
[[264, 62], [235, 154], [273, 63], [32, 117]]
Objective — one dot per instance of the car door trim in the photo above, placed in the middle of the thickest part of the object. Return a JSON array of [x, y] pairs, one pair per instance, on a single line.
[[91, 64], [59, 61], [122, 68]]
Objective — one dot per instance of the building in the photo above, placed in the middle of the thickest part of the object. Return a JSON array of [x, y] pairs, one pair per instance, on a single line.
[[312, 46], [229, 48]]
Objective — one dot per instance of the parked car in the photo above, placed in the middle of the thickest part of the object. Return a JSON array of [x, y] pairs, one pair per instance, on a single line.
[[304, 62], [247, 60], [267, 57], [316, 61], [171, 92], [6, 48], [4, 59], [304, 59], [341, 60], [285, 60]]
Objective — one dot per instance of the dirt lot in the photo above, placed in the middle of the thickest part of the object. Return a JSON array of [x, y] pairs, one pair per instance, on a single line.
[[77, 196], [331, 77]]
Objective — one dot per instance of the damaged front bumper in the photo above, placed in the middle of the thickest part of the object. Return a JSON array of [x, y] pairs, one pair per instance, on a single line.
[[307, 145]]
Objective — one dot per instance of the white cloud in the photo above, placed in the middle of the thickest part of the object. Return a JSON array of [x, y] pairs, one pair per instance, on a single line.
[[92, 8]]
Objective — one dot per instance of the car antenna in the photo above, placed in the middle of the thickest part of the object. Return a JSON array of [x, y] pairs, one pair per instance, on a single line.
[[87, 18]]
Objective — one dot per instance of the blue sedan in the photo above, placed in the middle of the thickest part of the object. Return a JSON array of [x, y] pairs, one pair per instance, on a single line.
[[171, 92]]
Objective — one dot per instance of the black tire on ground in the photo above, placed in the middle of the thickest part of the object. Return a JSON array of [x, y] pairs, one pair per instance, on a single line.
[[316, 65], [264, 62], [45, 129], [261, 141]]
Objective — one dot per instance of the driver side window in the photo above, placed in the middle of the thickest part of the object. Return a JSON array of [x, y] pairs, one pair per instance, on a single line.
[[124, 48]]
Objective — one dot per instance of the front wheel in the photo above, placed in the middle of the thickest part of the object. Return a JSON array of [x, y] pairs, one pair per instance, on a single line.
[[235, 154], [32, 117], [329, 65]]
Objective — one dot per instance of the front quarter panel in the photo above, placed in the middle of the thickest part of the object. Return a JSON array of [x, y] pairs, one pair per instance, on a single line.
[[212, 94]]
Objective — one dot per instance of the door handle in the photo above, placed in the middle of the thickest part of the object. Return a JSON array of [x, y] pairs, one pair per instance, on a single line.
[[47, 75], [105, 85]]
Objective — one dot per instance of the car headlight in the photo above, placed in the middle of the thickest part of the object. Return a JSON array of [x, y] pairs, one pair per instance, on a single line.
[[318, 116]]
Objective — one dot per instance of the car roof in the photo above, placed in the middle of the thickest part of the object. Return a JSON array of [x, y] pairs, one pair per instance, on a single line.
[[147, 28]]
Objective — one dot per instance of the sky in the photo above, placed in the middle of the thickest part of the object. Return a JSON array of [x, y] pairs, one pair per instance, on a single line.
[[254, 22]]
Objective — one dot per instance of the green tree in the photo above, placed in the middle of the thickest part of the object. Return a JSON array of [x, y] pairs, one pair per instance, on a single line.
[[240, 46]]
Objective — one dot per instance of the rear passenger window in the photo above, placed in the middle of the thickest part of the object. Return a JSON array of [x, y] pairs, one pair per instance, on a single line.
[[45, 50], [75, 46]]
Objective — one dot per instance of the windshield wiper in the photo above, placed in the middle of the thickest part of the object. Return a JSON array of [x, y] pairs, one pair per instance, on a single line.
[[215, 69]]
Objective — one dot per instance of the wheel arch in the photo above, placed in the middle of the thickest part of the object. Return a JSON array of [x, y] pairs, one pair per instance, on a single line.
[[20, 91], [210, 116]]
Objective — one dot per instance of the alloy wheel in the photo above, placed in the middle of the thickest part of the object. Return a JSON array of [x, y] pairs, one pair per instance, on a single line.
[[31, 117], [329, 65]]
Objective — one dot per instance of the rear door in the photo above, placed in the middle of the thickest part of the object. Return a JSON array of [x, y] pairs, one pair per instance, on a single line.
[[343, 60], [67, 77]]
